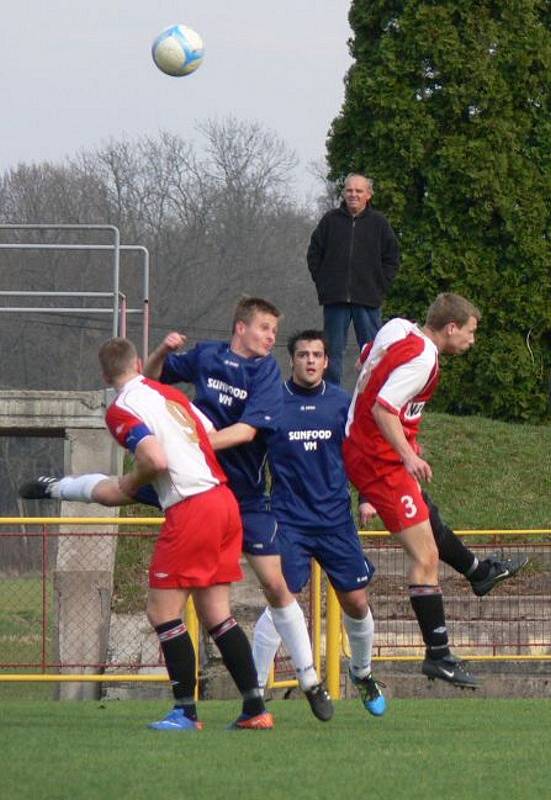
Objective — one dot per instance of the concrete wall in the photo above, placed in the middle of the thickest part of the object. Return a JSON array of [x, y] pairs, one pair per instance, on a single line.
[[83, 574]]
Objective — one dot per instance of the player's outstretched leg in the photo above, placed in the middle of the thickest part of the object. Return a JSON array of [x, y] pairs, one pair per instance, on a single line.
[[498, 570], [40, 488], [483, 575], [88, 488], [92, 487]]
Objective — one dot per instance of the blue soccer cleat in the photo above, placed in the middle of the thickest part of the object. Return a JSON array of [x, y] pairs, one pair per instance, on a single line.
[[373, 700], [176, 720]]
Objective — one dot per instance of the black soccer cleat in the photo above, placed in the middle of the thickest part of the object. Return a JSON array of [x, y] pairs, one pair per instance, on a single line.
[[320, 702], [499, 570], [450, 669], [38, 489]]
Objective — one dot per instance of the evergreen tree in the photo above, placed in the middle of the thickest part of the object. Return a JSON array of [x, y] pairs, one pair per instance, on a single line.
[[447, 108]]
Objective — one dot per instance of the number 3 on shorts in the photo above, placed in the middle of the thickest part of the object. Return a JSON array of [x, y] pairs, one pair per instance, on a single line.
[[410, 509]]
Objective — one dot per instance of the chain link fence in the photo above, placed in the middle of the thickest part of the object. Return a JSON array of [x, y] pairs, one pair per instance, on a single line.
[[37, 635]]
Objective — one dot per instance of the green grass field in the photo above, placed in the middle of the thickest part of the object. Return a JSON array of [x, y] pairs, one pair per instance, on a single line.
[[461, 748]]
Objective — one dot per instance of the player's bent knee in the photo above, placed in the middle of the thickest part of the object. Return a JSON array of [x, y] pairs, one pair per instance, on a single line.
[[354, 608], [277, 593]]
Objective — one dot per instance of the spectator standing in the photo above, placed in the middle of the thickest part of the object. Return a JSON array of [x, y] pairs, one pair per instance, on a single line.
[[353, 258]]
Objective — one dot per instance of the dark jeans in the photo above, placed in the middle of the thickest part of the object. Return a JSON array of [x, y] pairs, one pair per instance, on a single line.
[[336, 321]]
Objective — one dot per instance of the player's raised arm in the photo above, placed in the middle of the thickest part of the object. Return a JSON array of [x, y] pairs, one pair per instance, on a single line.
[[154, 365], [233, 435]]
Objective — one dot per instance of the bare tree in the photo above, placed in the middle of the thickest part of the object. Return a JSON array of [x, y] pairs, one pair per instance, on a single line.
[[219, 220]]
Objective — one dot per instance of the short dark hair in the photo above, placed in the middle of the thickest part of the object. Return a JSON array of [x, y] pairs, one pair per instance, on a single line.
[[307, 335], [116, 356], [449, 307], [249, 306]]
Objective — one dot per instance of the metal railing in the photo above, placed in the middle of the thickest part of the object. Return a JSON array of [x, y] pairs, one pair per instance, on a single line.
[[514, 623], [119, 309]]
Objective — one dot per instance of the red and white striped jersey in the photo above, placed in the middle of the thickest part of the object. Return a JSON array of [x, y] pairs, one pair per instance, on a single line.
[[146, 408], [400, 371]]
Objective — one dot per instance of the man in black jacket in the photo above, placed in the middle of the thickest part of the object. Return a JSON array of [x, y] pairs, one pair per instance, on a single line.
[[353, 258]]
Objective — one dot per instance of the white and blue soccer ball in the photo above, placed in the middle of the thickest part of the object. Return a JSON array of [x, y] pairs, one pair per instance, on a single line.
[[178, 51]]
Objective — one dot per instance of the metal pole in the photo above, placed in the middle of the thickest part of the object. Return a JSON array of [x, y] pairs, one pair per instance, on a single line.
[[315, 614], [194, 627], [333, 660], [44, 595]]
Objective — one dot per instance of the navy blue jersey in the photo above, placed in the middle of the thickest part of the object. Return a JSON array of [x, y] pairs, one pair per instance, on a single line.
[[228, 389], [309, 484]]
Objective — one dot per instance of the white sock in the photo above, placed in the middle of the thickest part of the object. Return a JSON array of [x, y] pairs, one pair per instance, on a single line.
[[289, 622], [77, 488], [360, 635], [266, 641]]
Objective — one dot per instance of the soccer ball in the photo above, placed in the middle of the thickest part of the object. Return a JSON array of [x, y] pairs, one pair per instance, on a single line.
[[178, 51]]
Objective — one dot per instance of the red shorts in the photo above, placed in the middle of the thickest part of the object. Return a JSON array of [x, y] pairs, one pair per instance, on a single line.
[[395, 494], [199, 543]]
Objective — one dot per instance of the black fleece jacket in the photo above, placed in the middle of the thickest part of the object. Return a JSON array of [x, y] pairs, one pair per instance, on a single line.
[[353, 259]]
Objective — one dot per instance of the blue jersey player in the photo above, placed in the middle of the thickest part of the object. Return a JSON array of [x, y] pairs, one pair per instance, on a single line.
[[311, 501], [238, 387]]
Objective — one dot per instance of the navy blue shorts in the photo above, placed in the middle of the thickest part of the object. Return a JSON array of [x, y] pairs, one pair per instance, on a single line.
[[337, 550], [260, 533]]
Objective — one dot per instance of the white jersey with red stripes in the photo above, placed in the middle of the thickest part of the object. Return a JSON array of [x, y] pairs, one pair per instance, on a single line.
[[399, 371], [143, 408]]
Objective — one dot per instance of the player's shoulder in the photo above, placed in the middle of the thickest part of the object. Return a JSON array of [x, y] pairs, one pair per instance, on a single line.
[[210, 346], [336, 393], [405, 341], [265, 366], [398, 340], [127, 398], [395, 331], [166, 390]]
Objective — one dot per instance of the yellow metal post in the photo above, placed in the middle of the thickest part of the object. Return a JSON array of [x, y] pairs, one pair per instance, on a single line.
[[192, 624], [315, 614], [333, 637]]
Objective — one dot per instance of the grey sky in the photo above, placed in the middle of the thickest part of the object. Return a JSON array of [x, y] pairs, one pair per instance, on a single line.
[[75, 74]]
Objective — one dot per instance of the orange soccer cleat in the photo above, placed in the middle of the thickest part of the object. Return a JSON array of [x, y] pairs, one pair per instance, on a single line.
[[260, 722]]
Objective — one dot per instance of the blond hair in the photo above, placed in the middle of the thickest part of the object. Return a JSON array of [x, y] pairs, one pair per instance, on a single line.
[[249, 306]]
